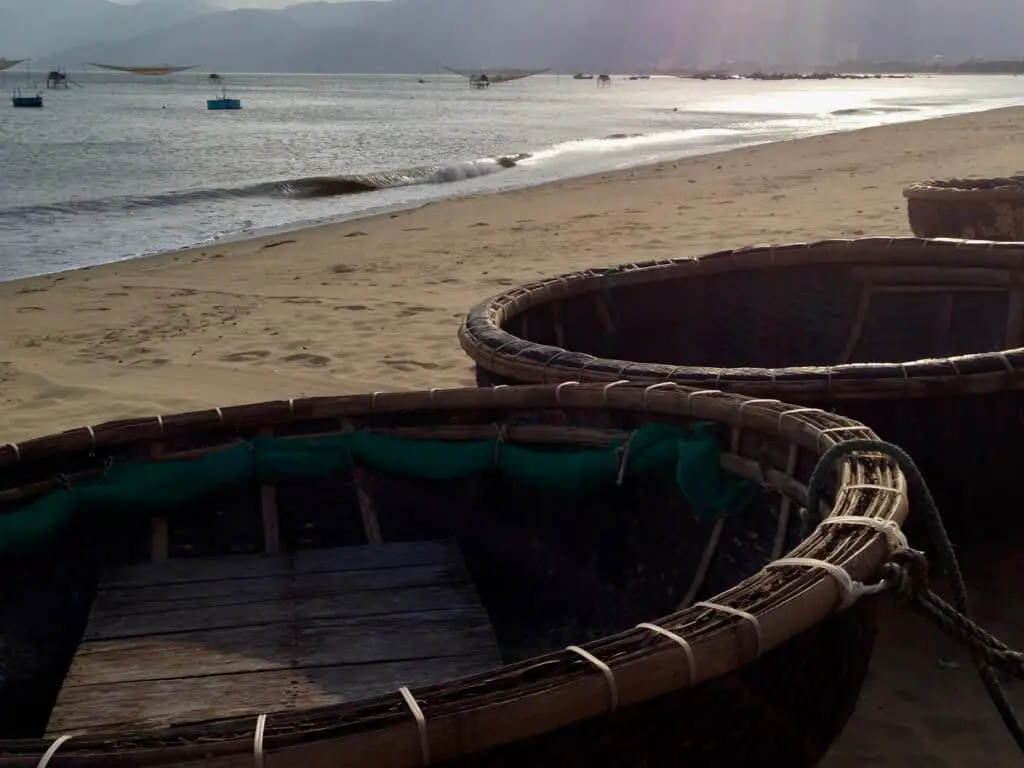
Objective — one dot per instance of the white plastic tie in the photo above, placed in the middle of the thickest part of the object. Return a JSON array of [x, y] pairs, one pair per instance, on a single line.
[[291, 406], [52, 750], [894, 535], [850, 591], [160, 423], [757, 401], [421, 723], [607, 387], [220, 414], [92, 437], [750, 618], [17, 451], [558, 390], [604, 669], [698, 393], [836, 430], [433, 391], [373, 401], [682, 642], [872, 487], [257, 741], [847, 428], [794, 412], [654, 388]]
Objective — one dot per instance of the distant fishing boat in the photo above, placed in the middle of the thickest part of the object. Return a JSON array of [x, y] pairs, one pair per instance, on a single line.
[[497, 75], [223, 102], [164, 69], [20, 100]]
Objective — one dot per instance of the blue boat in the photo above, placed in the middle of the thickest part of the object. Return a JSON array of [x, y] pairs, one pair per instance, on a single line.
[[224, 102], [26, 101]]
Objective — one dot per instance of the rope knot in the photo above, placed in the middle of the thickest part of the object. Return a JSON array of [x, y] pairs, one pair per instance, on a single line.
[[907, 574]]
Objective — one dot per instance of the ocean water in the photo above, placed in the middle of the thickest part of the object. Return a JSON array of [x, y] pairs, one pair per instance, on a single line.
[[125, 166]]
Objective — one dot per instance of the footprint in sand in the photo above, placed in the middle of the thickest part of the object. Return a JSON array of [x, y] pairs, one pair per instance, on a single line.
[[352, 307], [317, 361], [300, 300], [414, 363], [342, 269], [244, 357], [30, 309], [408, 309], [277, 243], [30, 290]]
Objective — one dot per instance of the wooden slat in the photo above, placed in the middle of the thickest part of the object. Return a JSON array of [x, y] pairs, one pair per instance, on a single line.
[[184, 570], [208, 594], [119, 706], [275, 609], [204, 638], [318, 643]]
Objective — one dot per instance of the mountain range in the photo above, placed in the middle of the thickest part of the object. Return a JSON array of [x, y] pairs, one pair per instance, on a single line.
[[566, 35]]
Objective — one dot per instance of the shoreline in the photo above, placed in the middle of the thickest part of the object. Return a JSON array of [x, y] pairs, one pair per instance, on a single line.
[[460, 249], [372, 212]]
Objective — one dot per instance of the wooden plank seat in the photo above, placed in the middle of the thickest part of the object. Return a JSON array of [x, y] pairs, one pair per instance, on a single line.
[[192, 639]]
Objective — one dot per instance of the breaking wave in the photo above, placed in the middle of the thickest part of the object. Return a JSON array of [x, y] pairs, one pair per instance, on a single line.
[[308, 187]]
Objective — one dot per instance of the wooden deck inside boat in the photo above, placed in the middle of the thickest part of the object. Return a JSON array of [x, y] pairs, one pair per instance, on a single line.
[[194, 639]]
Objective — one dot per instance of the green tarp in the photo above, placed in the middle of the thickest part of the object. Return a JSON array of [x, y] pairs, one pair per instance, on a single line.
[[691, 456]]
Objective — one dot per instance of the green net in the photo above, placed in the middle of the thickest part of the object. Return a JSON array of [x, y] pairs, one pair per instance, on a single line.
[[147, 487]]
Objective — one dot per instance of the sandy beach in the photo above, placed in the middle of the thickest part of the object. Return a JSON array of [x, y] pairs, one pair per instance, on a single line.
[[374, 304]]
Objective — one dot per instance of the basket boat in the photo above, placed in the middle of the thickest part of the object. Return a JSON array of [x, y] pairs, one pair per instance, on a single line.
[[983, 209], [541, 575], [920, 339]]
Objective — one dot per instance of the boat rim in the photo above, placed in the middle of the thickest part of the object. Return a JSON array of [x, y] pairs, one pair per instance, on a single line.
[[618, 670], [483, 338]]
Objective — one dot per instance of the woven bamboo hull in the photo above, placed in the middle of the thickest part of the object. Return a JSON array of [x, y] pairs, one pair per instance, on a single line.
[[918, 338], [552, 569], [978, 209]]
